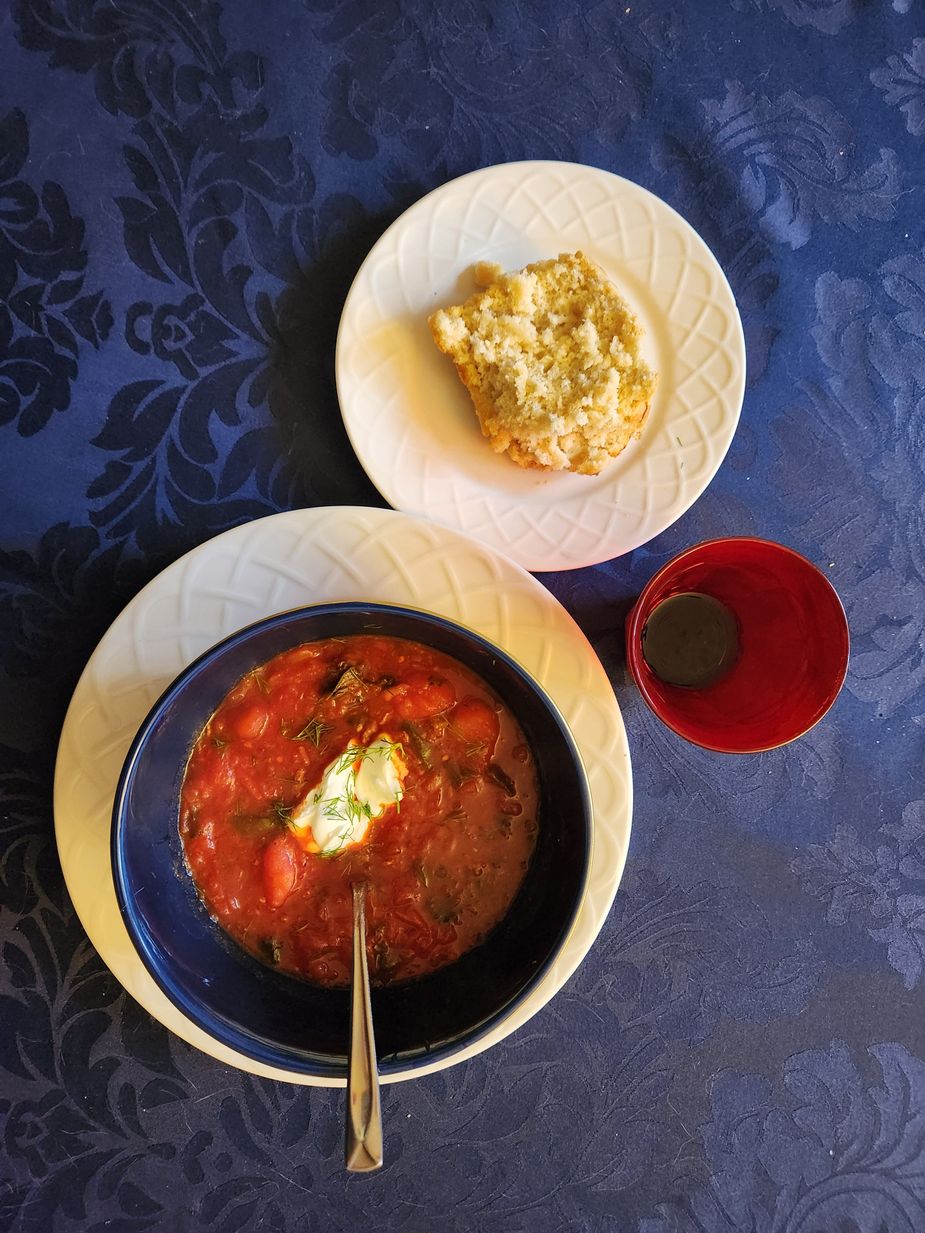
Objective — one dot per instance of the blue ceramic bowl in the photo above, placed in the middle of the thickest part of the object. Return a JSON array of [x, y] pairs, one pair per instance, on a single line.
[[278, 1019]]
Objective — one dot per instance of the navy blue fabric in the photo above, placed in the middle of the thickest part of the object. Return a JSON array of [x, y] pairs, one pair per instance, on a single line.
[[186, 189]]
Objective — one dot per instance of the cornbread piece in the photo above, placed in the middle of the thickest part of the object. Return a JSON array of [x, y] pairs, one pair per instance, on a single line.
[[550, 358]]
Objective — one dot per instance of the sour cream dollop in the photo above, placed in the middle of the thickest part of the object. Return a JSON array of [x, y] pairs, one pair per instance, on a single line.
[[356, 788]]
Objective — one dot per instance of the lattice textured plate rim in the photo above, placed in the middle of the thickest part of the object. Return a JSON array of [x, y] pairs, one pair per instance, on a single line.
[[409, 419], [285, 561]]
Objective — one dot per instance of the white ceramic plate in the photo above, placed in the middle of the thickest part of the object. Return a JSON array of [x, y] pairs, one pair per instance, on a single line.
[[410, 419], [287, 561]]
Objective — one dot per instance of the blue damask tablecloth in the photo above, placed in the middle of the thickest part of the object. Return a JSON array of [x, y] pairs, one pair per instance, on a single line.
[[186, 190]]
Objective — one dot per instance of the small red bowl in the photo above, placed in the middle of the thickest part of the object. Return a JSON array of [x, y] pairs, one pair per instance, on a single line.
[[793, 646]]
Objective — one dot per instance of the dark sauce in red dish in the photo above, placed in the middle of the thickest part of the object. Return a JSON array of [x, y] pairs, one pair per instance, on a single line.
[[691, 640]]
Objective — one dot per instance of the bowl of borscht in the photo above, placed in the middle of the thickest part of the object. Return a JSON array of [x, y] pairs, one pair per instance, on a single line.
[[334, 744]]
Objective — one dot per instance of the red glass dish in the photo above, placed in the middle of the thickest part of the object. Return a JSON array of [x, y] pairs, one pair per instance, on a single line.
[[793, 646]]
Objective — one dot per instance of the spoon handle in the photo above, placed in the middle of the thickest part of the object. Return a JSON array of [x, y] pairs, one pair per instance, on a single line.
[[363, 1146]]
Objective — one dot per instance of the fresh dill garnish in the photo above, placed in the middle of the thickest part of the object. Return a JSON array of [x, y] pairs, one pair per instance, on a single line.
[[281, 811], [314, 731], [350, 680], [456, 815], [477, 747], [339, 847], [346, 807], [355, 754], [219, 742], [261, 681]]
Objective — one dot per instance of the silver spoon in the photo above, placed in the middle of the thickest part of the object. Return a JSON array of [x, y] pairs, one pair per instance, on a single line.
[[363, 1144]]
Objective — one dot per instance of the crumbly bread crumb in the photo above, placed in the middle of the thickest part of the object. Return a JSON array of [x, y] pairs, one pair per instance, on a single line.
[[550, 357], [487, 272]]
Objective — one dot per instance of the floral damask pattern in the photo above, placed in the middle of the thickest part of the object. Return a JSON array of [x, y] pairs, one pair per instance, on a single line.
[[49, 599], [215, 201], [902, 80], [754, 788], [683, 956], [823, 1149], [717, 1063], [402, 79], [829, 17], [42, 311], [761, 172], [878, 885], [866, 432], [795, 161], [826, 16]]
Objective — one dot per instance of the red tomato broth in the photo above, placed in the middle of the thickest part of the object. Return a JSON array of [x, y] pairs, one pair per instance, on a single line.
[[442, 869]]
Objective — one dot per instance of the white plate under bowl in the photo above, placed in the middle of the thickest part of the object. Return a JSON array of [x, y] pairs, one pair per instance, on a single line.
[[410, 419], [287, 561]]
